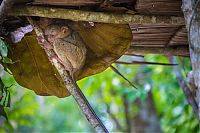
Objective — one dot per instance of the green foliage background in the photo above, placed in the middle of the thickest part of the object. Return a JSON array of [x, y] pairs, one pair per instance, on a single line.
[[31, 113]]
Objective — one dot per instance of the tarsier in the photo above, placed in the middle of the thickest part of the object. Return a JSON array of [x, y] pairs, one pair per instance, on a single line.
[[68, 45], [69, 48]]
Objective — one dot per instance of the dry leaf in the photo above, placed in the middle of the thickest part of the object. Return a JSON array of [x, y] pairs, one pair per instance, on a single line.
[[33, 69], [105, 44]]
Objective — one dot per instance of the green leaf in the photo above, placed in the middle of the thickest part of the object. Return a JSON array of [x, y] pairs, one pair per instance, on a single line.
[[7, 60], [3, 99], [4, 95], [3, 48], [7, 99]]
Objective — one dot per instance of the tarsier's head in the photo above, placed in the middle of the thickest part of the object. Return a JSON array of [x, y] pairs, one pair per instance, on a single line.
[[54, 32]]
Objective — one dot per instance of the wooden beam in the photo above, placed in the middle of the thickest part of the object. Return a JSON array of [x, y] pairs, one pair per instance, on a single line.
[[77, 3], [169, 51], [159, 7], [67, 2], [79, 15]]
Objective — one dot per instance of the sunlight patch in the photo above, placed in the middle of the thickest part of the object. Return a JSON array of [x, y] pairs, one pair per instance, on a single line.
[[115, 81]]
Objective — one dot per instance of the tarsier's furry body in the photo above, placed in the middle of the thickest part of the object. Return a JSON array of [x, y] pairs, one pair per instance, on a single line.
[[68, 46]]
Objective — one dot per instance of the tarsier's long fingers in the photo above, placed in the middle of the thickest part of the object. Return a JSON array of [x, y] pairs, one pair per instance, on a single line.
[[44, 43], [116, 71]]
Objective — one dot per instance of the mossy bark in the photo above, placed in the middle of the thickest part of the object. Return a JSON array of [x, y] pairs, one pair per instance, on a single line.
[[79, 15]]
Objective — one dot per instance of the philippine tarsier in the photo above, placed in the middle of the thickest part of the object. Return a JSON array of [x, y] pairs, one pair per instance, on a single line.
[[68, 45], [69, 48]]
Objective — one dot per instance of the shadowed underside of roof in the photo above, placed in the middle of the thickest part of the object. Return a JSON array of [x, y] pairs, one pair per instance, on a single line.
[[158, 35]]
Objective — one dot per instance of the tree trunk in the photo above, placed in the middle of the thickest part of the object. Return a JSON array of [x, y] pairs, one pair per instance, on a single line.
[[187, 89], [146, 121], [193, 26]]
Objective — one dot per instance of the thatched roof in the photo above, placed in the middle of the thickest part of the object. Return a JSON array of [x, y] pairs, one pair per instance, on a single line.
[[164, 36], [144, 35]]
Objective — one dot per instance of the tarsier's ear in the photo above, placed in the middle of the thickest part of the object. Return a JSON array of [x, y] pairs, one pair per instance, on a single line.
[[64, 29]]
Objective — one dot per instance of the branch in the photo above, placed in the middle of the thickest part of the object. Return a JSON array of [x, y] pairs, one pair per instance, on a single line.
[[117, 72], [73, 87], [5, 6], [183, 84], [78, 15], [168, 51], [130, 54], [144, 63]]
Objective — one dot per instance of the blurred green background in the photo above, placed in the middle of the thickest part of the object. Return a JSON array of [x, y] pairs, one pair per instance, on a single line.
[[159, 103]]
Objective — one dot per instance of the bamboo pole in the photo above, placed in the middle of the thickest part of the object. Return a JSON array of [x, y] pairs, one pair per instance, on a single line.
[[79, 15]]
